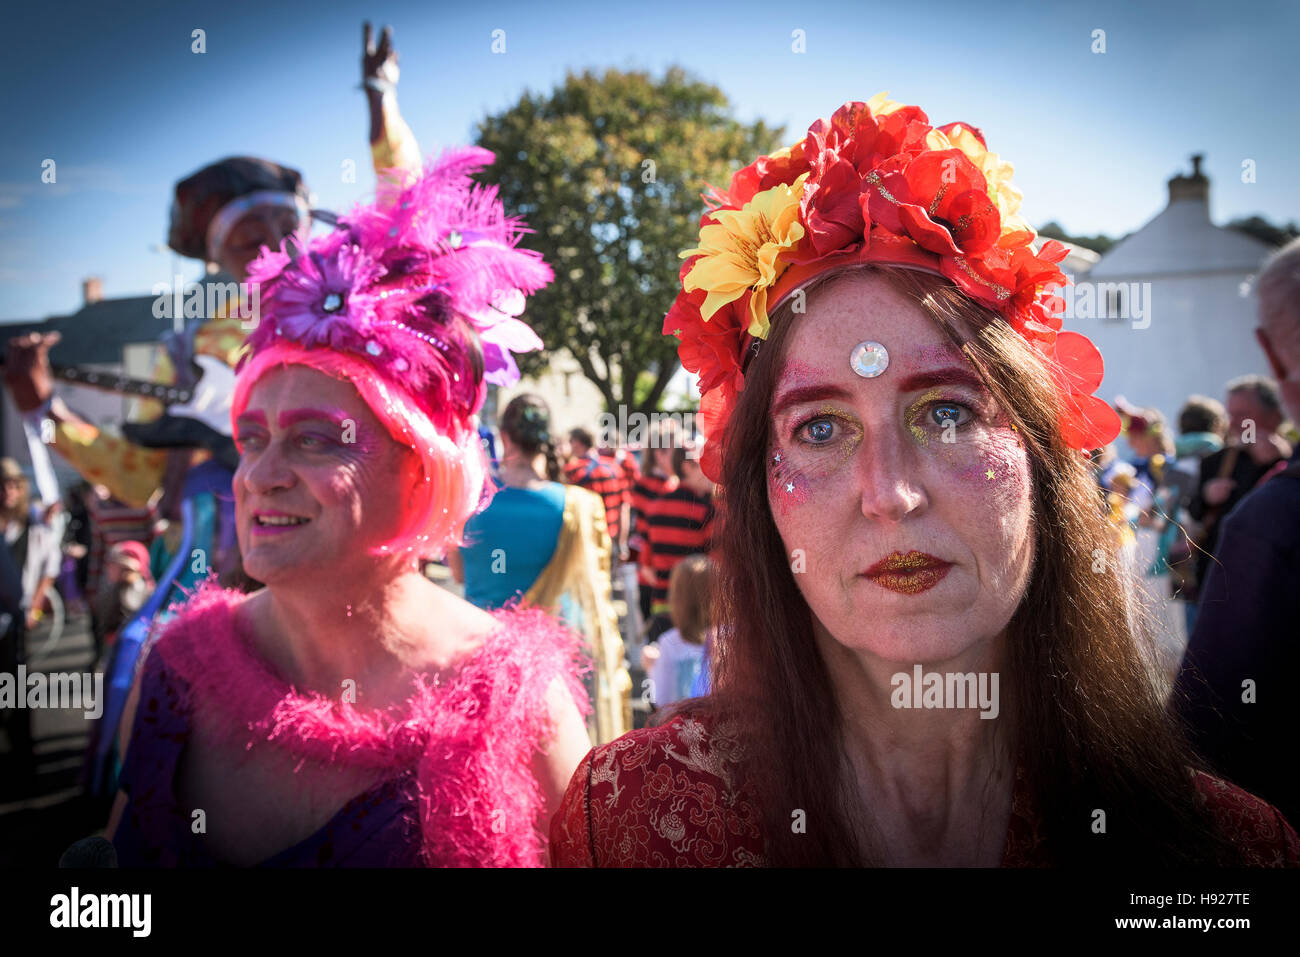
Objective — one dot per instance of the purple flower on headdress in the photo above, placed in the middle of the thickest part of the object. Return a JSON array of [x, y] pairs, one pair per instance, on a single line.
[[501, 334], [438, 233], [321, 298]]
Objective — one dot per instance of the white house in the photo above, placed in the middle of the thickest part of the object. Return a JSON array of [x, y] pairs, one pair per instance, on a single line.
[[1170, 306]]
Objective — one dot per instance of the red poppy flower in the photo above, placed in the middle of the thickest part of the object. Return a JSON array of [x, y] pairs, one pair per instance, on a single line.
[[939, 199], [1086, 422], [829, 209], [715, 413]]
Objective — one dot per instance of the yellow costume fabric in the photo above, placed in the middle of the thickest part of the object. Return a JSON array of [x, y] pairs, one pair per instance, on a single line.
[[577, 580]]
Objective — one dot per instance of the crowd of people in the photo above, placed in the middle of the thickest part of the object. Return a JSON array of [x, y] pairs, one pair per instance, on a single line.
[[904, 469]]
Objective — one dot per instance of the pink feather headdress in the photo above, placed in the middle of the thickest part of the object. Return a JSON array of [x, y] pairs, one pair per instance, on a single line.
[[407, 282]]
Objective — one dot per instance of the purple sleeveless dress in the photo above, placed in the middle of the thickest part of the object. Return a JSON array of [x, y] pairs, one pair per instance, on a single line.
[[455, 785], [379, 828]]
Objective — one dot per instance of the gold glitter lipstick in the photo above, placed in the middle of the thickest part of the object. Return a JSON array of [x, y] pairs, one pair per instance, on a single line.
[[908, 574]]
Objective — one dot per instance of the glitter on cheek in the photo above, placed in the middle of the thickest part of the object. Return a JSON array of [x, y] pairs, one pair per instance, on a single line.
[[999, 470], [1006, 459], [787, 485]]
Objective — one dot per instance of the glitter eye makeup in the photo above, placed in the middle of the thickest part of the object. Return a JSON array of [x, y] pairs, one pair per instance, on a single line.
[[923, 423], [819, 429], [823, 439], [310, 432]]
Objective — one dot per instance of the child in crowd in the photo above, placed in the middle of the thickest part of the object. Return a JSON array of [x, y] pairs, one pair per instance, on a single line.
[[674, 662]]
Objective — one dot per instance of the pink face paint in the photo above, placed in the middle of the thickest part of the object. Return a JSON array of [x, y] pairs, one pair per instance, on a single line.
[[337, 425], [796, 373], [936, 355], [294, 416]]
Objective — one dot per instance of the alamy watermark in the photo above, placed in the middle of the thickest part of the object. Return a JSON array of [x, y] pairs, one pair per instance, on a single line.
[[1106, 300], [658, 430], [130, 911], [61, 690], [931, 689], [183, 300]]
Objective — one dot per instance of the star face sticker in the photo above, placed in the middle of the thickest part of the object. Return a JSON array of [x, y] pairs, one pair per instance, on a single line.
[[988, 474], [777, 457], [789, 486]]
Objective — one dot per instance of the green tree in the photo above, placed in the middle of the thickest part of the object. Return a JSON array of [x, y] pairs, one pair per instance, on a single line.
[[1099, 243], [608, 170], [1265, 231]]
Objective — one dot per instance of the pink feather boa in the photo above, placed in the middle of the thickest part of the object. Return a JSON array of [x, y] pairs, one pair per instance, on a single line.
[[470, 738]]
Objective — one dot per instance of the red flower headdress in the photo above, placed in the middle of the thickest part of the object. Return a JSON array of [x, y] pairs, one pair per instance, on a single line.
[[875, 184]]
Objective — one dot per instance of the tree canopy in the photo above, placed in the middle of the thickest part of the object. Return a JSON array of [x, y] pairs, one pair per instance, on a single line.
[[608, 170], [1266, 231]]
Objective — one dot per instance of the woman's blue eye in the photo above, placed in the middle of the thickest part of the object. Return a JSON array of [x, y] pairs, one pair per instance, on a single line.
[[820, 430], [946, 412]]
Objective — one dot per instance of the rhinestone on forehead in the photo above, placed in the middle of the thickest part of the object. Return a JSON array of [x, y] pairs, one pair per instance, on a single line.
[[869, 359]]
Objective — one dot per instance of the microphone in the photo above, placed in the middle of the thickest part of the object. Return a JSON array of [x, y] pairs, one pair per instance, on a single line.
[[90, 852]]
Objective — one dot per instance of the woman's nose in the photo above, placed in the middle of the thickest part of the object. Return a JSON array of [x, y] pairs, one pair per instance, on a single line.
[[267, 470], [889, 476]]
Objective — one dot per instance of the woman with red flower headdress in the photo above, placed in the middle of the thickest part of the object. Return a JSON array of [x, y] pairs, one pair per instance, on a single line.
[[924, 655]]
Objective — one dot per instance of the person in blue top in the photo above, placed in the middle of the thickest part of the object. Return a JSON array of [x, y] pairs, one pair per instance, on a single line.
[[509, 543], [547, 544]]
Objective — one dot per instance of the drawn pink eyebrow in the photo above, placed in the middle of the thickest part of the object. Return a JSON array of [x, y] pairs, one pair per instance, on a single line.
[[294, 416], [808, 393], [253, 417], [949, 375]]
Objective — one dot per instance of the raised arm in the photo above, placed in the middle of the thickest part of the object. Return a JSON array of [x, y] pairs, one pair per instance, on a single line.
[[392, 144]]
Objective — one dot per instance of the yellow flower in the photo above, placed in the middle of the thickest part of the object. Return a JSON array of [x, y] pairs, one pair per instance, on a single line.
[[741, 250], [882, 105]]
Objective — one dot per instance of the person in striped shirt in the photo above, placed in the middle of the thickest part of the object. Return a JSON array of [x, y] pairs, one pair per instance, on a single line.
[[656, 471], [602, 476], [678, 522], [625, 463]]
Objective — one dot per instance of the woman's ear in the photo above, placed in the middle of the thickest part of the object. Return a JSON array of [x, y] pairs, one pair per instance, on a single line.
[[1274, 361]]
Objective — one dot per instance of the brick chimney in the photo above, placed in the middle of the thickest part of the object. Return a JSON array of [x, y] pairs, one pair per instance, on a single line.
[[92, 290], [1196, 186]]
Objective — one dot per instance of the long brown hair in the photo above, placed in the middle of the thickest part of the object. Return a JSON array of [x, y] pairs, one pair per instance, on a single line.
[[1086, 722], [690, 597]]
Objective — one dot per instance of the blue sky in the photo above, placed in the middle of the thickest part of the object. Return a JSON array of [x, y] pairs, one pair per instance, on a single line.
[[125, 108]]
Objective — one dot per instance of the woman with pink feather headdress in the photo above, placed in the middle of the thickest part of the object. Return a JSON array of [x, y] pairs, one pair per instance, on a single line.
[[378, 719]]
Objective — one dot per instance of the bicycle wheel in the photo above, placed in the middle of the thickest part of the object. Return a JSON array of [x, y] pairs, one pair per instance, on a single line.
[[42, 639]]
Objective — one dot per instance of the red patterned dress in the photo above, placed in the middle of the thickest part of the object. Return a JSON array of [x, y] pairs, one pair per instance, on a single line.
[[665, 797]]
